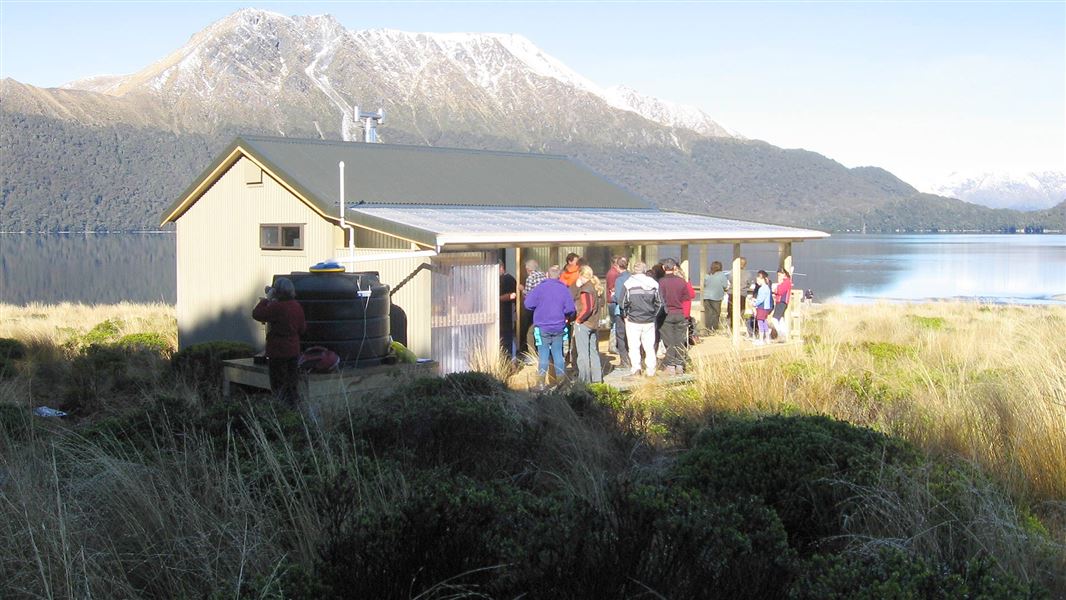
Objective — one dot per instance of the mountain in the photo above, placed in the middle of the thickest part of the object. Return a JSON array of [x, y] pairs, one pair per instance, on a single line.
[[109, 152], [1020, 191]]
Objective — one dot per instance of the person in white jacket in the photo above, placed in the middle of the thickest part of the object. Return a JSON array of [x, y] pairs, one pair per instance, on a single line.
[[640, 304]]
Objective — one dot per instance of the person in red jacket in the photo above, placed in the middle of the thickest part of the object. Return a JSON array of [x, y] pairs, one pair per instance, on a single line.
[[284, 318], [782, 295]]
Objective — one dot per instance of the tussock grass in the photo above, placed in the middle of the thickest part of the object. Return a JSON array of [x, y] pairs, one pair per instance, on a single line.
[[55, 323], [196, 497], [984, 386]]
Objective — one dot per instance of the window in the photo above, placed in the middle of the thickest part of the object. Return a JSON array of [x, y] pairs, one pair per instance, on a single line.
[[281, 237]]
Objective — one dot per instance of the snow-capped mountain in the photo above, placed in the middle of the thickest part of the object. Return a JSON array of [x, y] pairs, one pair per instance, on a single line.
[[665, 112], [303, 74], [1020, 191]]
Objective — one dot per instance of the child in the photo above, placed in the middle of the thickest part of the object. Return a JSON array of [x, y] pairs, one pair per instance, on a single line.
[[764, 304]]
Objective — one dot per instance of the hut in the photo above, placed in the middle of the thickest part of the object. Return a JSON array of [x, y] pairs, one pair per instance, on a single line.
[[432, 221]]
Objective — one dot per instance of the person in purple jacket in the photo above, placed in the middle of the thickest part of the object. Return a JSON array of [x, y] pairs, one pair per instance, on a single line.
[[552, 307]]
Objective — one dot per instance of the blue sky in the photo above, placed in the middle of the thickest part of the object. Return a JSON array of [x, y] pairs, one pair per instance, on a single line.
[[920, 88]]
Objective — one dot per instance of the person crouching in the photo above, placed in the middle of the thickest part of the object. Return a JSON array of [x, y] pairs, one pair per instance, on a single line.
[[284, 318]]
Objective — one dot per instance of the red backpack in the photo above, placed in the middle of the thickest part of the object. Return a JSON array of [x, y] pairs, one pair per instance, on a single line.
[[318, 359]]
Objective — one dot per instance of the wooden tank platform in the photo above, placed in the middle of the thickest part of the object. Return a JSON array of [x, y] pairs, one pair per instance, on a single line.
[[345, 383]]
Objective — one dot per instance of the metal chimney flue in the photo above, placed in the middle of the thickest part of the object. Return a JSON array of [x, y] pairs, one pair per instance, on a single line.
[[370, 121]]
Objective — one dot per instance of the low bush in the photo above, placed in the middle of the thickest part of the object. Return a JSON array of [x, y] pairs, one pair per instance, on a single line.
[[109, 376], [451, 530], [202, 363], [102, 333], [890, 574], [10, 351], [800, 466], [461, 421], [461, 535], [152, 342], [656, 541]]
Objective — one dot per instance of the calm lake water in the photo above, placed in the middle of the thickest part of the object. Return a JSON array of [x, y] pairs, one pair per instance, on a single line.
[[109, 268]]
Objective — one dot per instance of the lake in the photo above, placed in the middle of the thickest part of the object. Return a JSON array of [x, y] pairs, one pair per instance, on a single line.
[[108, 268]]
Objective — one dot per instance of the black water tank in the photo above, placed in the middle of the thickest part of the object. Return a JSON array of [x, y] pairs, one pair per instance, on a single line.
[[346, 312]]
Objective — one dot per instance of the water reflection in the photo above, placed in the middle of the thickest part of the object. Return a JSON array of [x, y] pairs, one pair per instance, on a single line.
[[93, 268], [847, 268], [862, 268]]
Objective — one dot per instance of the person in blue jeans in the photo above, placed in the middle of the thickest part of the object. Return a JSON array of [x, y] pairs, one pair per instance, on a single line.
[[553, 307]]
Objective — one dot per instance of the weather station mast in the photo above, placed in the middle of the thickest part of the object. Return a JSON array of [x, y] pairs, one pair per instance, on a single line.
[[370, 121]]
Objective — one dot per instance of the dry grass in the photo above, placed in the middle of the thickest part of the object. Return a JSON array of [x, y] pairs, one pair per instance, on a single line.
[[983, 383], [986, 385], [54, 324]]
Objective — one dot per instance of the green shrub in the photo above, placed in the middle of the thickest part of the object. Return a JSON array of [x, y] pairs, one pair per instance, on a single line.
[[887, 351], [10, 351], [108, 376], [202, 363], [891, 574], [460, 421], [931, 323], [494, 539], [14, 422], [103, 332], [656, 542], [450, 529], [150, 341], [798, 465]]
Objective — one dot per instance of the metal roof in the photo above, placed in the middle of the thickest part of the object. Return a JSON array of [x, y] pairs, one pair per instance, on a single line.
[[461, 227], [417, 175]]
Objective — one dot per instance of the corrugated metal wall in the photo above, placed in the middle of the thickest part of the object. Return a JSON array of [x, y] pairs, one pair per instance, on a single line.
[[465, 308], [220, 267], [413, 298]]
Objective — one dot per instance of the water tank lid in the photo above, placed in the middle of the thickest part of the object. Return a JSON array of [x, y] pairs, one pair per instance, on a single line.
[[327, 267]]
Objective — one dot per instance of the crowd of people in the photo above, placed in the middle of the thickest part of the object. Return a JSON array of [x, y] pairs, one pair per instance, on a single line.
[[648, 310]]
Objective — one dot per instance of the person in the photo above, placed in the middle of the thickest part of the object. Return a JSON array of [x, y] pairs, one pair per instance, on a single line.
[[616, 291], [782, 295], [611, 279], [675, 291], [715, 283], [686, 308], [569, 277], [534, 276], [570, 273], [764, 304], [640, 304], [552, 307], [284, 318], [586, 334], [508, 299]]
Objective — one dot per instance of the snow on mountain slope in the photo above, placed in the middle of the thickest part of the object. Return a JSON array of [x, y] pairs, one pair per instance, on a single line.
[[665, 112], [253, 59], [1020, 191]]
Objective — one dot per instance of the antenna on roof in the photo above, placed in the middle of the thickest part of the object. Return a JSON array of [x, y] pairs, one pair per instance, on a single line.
[[370, 121]]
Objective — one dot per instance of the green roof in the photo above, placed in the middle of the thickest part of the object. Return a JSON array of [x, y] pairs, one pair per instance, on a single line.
[[389, 174]]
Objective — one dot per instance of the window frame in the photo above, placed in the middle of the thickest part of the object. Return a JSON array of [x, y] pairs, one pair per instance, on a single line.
[[280, 227]]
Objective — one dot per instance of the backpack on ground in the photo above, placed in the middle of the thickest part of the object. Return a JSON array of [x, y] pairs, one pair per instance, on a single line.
[[318, 359]]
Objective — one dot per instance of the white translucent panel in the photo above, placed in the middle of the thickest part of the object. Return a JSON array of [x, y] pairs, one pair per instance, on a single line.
[[465, 225], [465, 308]]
